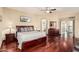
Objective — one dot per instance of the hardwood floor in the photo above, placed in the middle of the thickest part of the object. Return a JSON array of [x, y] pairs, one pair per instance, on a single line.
[[53, 44]]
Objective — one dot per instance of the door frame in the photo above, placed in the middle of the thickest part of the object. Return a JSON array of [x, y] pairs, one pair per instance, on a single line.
[[62, 19]]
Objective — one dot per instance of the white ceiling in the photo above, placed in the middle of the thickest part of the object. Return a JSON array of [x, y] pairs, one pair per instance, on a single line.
[[38, 9]]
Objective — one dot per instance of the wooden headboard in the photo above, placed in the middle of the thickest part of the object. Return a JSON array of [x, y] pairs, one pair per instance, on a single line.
[[24, 28]]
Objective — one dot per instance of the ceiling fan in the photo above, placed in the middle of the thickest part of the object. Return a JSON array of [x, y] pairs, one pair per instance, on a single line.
[[48, 9]]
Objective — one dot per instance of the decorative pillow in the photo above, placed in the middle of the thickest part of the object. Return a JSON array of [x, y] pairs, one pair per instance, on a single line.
[[26, 29], [22, 30]]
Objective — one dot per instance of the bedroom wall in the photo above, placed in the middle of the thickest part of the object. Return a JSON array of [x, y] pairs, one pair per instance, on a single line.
[[12, 17]]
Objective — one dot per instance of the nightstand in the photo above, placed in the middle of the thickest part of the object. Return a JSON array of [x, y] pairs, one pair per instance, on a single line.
[[10, 37]]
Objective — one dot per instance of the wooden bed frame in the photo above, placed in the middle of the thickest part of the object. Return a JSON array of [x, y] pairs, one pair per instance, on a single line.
[[33, 43], [28, 44]]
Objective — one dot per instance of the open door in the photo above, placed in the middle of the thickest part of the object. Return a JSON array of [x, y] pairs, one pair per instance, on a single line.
[[44, 24], [67, 28]]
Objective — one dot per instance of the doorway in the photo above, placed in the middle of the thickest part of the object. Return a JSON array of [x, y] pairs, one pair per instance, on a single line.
[[67, 30], [44, 25]]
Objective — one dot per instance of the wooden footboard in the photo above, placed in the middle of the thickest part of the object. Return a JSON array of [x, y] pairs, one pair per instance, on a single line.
[[33, 43]]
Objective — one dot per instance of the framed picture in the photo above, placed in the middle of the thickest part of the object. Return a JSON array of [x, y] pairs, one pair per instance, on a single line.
[[25, 19]]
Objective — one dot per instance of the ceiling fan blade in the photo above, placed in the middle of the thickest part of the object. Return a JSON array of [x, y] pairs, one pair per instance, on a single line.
[[53, 9]]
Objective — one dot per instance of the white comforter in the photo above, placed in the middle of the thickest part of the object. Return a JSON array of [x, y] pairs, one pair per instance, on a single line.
[[28, 36]]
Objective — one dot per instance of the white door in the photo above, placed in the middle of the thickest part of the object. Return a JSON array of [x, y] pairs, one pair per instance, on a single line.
[[67, 28], [44, 25]]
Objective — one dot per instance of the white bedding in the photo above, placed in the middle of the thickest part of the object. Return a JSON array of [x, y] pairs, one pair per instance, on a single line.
[[28, 36]]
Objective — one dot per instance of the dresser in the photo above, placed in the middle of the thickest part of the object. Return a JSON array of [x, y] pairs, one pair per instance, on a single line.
[[53, 32]]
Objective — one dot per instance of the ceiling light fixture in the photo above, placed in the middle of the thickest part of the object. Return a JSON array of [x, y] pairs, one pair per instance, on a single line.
[[48, 9]]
